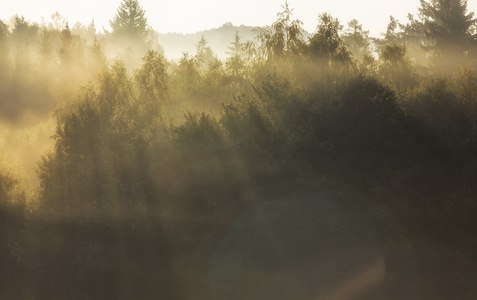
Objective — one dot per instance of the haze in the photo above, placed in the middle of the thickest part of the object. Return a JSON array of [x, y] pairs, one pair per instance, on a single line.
[[258, 163], [187, 16]]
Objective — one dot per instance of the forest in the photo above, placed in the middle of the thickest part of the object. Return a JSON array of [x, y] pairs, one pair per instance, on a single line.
[[336, 166]]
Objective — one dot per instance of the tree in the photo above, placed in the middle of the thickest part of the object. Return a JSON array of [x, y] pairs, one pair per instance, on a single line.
[[45, 51], [12, 229], [236, 47], [357, 39], [114, 89], [24, 32], [392, 35], [130, 23], [153, 82], [235, 63], [409, 35], [204, 54], [327, 45], [71, 55], [358, 42], [448, 27], [284, 37], [23, 36], [4, 56], [66, 49], [187, 76], [395, 68], [97, 58]]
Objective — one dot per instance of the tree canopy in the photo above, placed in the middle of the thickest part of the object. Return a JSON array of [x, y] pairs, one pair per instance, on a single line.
[[449, 29], [299, 163], [130, 23]]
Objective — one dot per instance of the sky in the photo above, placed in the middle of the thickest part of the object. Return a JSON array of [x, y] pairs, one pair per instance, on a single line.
[[189, 16]]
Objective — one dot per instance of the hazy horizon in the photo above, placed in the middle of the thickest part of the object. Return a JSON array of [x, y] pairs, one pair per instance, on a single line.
[[191, 17]]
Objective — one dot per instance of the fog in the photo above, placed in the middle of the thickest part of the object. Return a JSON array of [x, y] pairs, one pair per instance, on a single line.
[[255, 163]]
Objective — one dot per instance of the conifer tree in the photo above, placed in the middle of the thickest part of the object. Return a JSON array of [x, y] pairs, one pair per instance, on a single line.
[[448, 27], [235, 64], [204, 54], [130, 22]]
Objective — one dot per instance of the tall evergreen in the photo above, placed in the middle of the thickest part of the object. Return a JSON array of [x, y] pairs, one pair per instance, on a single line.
[[130, 22], [448, 27]]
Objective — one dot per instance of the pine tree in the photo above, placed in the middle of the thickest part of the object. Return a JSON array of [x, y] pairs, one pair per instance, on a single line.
[[236, 47], [235, 64], [448, 27], [130, 22], [204, 54]]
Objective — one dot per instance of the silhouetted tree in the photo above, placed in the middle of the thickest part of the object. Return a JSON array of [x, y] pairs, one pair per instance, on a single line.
[[357, 40], [449, 29], [396, 68], [359, 44], [284, 37], [393, 35], [130, 25], [328, 47]]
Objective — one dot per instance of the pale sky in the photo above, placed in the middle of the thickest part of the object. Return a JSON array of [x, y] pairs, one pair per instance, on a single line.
[[188, 16]]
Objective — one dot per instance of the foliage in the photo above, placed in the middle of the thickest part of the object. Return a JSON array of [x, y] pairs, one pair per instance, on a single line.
[[357, 40], [326, 45], [284, 37], [154, 162], [152, 80], [448, 27], [204, 54], [130, 21], [396, 69]]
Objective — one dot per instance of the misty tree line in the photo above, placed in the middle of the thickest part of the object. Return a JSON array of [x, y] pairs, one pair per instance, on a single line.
[[153, 159]]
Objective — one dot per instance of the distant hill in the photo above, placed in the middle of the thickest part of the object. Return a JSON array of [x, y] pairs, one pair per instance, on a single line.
[[218, 39]]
